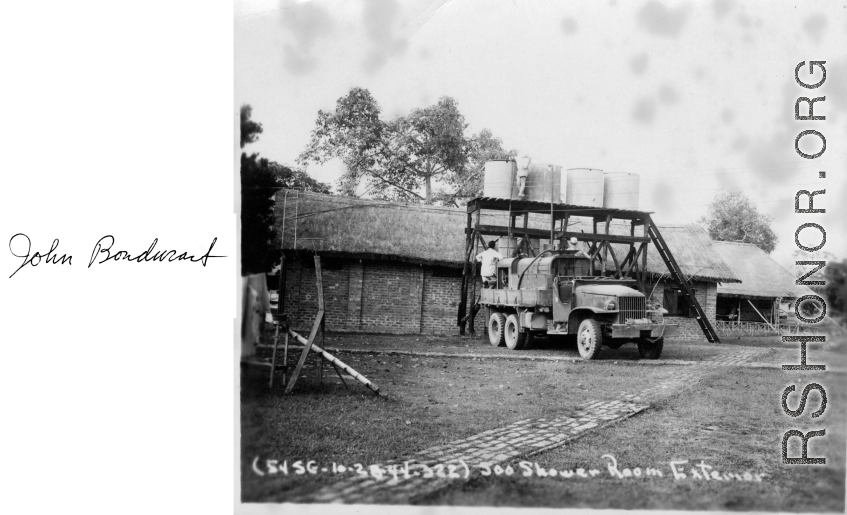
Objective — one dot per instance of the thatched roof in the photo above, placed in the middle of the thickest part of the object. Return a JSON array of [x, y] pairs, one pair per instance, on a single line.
[[690, 245], [334, 225], [761, 276], [360, 228]]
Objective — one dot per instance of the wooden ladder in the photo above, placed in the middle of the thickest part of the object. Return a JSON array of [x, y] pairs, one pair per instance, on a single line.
[[679, 278]]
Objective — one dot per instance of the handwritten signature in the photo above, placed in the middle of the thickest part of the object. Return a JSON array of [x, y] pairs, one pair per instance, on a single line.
[[102, 251]]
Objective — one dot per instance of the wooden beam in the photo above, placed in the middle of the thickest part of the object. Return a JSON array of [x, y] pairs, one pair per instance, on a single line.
[[611, 238], [760, 315], [498, 230]]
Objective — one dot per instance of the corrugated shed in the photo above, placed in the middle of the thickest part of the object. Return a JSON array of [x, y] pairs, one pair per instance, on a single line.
[[760, 275]]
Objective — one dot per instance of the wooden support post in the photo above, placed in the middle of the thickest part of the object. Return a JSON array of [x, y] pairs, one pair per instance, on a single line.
[[608, 247], [553, 200], [643, 267], [471, 328], [463, 291], [285, 357], [321, 308], [317, 325], [280, 301], [308, 346]]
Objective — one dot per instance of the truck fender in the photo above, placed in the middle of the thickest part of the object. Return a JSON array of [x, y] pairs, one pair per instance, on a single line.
[[579, 314]]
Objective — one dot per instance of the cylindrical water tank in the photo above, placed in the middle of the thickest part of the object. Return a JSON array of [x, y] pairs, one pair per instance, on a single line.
[[620, 190], [499, 179], [584, 187], [544, 183]]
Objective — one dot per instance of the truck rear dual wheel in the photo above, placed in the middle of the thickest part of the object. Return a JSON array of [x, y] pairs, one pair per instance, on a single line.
[[650, 349], [589, 338], [515, 339], [497, 329]]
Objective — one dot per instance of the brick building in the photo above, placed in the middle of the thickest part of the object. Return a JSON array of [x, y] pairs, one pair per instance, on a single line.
[[396, 268]]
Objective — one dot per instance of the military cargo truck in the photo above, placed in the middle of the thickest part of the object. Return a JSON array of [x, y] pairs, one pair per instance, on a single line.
[[556, 294]]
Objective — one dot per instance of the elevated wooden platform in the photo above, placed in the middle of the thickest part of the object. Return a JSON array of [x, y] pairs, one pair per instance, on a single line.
[[601, 252]]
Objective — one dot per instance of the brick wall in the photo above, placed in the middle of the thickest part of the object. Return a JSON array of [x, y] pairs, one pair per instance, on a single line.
[[689, 329], [377, 297], [403, 298]]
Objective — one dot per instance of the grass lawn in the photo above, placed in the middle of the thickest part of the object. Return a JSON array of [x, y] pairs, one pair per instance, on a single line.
[[732, 421], [432, 401]]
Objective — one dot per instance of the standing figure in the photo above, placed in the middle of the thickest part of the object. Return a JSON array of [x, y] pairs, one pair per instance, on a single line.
[[489, 259], [573, 244], [523, 170]]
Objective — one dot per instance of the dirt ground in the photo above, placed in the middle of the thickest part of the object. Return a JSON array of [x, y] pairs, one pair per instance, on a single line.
[[430, 400]]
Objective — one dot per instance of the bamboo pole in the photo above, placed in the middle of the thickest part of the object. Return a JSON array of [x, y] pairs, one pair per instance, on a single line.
[[762, 316], [335, 361]]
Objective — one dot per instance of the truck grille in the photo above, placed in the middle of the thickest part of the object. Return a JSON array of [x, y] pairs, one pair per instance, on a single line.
[[631, 307]]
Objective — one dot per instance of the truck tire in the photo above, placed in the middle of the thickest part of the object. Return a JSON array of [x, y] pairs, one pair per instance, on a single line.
[[589, 338], [515, 339], [497, 329], [650, 350]]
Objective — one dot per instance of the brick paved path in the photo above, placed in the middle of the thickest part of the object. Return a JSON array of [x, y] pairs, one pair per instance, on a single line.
[[497, 446]]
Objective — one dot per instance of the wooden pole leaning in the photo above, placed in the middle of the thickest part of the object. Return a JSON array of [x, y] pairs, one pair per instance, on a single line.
[[335, 361], [316, 325]]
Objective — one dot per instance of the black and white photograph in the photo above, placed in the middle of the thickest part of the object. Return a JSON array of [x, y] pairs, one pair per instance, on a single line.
[[424, 256], [543, 254]]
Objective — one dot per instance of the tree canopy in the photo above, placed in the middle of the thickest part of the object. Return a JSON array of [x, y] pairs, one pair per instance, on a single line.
[[250, 130], [260, 180], [836, 287], [733, 217], [398, 158]]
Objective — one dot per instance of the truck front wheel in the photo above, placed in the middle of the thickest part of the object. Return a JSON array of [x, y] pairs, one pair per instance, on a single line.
[[515, 339], [650, 349], [497, 329], [589, 338]]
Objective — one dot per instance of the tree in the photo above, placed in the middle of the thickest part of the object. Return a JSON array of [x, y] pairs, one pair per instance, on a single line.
[[297, 179], [399, 157], [258, 186], [481, 147], [250, 130], [836, 287], [733, 217], [260, 180]]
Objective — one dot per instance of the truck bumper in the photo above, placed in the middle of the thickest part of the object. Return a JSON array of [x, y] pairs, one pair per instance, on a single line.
[[637, 331]]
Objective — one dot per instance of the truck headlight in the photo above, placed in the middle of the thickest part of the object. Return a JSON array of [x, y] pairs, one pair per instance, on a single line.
[[611, 305]]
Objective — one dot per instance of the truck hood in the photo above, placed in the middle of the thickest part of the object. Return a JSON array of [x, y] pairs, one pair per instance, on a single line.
[[618, 290]]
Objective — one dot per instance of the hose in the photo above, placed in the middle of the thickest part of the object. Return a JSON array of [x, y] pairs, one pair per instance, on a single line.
[[520, 279]]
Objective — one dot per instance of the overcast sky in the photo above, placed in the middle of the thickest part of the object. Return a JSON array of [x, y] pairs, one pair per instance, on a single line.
[[694, 97]]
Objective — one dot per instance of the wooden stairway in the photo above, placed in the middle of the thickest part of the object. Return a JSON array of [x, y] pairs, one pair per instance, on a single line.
[[684, 283]]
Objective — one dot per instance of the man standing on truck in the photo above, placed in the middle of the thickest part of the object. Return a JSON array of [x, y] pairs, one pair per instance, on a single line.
[[489, 259]]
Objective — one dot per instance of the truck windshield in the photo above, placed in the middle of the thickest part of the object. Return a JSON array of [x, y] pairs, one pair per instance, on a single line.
[[572, 267]]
